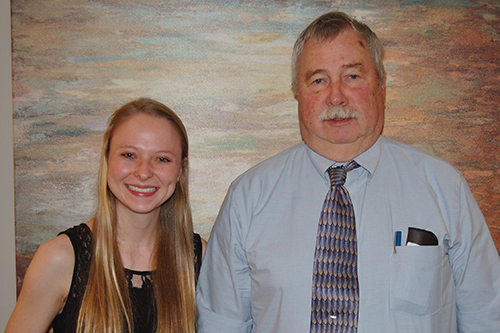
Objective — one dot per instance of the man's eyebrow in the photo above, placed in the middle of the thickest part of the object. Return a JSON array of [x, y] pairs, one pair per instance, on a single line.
[[310, 74], [354, 65]]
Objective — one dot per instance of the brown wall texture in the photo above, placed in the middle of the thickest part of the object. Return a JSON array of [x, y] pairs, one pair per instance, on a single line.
[[225, 68]]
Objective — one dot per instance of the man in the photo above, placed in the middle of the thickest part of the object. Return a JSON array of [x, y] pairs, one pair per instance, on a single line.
[[262, 259]]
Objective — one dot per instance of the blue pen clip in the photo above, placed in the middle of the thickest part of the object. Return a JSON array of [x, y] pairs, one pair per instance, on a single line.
[[397, 240]]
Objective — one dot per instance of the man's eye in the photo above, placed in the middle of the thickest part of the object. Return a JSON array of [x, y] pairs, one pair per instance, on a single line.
[[318, 81], [353, 76]]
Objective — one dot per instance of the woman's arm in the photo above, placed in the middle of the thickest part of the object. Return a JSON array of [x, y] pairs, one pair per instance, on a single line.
[[45, 287]]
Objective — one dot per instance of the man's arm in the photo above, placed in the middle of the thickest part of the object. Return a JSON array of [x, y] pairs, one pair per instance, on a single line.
[[476, 267], [224, 287]]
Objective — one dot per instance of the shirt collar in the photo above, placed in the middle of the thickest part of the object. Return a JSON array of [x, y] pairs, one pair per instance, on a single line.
[[367, 160]]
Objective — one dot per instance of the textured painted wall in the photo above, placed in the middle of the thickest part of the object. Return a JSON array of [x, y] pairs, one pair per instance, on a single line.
[[224, 67]]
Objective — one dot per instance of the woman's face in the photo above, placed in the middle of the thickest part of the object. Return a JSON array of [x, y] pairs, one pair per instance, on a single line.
[[144, 164]]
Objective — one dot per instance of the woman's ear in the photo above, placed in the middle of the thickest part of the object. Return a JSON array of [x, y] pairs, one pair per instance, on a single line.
[[183, 166]]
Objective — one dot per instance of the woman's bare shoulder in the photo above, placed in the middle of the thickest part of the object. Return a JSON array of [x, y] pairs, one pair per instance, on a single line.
[[57, 253], [45, 287]]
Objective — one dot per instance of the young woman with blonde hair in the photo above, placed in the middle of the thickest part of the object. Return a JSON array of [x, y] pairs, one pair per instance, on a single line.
[[133, 267]]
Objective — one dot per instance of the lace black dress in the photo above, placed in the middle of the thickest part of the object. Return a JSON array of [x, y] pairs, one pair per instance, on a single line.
[[139, 284]]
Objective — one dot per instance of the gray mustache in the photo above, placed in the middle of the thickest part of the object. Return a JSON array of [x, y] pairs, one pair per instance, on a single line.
[[337, 113]]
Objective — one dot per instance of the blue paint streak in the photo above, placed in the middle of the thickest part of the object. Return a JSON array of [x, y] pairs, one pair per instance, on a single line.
[[91, 59]]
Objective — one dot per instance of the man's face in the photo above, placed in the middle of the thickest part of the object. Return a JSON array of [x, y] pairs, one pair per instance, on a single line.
[[339, 74]]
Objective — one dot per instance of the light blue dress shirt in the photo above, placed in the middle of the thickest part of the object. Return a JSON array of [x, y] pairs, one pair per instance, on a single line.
[[257, 271]]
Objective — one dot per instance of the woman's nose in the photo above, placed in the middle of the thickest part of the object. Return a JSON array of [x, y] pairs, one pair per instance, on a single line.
[[143, 170]]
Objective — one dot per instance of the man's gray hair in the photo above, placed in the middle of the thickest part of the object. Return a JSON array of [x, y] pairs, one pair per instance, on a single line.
[[329, 26]]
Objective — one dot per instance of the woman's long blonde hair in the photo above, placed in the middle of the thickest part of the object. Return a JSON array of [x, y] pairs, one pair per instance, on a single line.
[[106, 304]]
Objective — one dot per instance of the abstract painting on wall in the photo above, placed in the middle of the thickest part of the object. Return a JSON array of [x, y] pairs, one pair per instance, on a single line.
[[224, 67]]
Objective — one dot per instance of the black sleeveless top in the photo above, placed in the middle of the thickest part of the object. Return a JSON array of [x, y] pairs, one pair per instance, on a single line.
[[140, 285]]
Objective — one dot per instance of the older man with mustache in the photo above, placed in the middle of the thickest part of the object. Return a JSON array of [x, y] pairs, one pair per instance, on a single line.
[[348, 231]]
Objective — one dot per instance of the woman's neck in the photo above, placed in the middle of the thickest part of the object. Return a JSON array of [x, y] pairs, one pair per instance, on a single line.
[[136, 237]]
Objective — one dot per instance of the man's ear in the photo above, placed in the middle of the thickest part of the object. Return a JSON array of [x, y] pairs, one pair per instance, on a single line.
[[383, 84]]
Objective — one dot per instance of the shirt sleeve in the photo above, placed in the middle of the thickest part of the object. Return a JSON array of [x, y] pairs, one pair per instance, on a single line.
[[476, 266], [224, 286]]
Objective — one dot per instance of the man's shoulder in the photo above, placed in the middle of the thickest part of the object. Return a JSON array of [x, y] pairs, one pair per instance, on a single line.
[[275, 164], [415, 157]]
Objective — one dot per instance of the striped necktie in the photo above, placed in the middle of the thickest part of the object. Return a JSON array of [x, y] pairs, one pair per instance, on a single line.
[[335, 293]]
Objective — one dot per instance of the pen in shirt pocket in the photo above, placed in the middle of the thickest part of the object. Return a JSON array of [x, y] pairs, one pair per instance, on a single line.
[[416, 237], [397, 240]]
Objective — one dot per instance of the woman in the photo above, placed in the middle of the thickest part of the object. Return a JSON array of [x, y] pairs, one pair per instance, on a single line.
[[131, 268]]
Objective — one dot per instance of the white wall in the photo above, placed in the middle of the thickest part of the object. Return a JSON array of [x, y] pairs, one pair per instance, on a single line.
[[7, 230]]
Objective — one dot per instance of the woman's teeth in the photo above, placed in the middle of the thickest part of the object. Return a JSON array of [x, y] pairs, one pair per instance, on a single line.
[[142, 190]]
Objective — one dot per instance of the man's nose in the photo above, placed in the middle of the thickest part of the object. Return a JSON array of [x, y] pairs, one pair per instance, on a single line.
[[336, 94]]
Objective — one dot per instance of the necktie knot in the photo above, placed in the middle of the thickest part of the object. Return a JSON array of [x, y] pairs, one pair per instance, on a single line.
[[339, 174]]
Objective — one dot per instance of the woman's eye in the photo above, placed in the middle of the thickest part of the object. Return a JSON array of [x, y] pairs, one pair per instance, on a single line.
[[128, 155], [163, 159]]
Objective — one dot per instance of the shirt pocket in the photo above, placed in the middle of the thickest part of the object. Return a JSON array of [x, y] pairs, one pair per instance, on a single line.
[[417, 279]]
